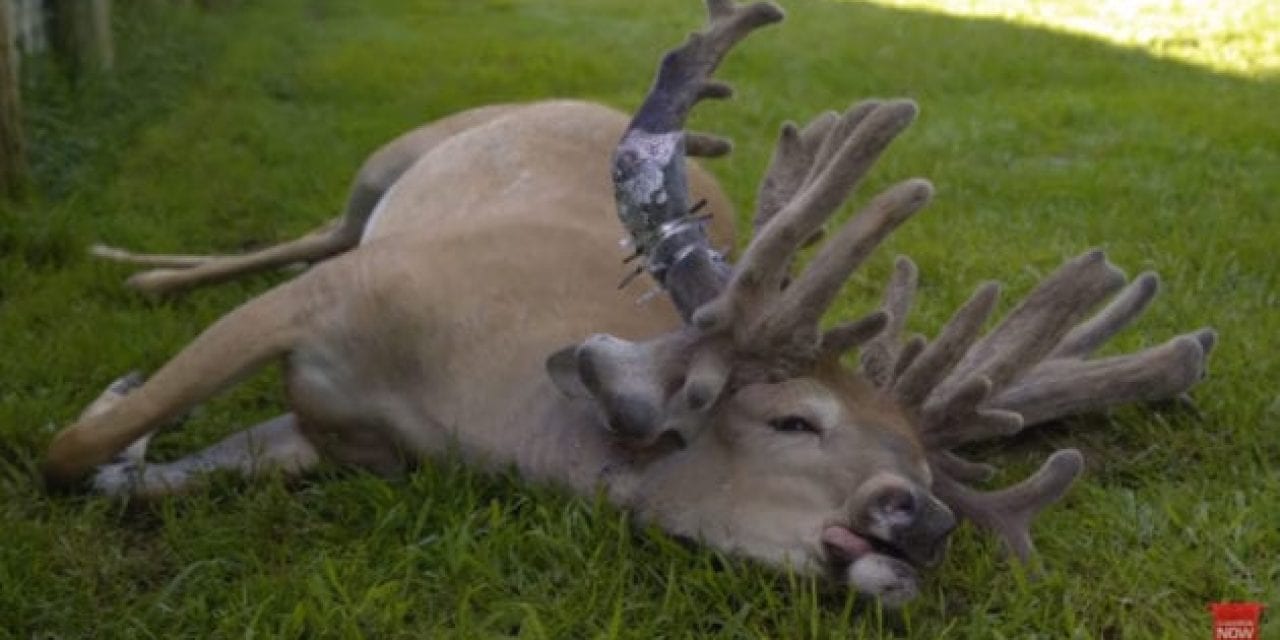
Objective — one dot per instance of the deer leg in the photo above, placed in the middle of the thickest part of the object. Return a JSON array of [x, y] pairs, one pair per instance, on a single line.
[[274, 446], [182, 261], [176, 273], [260, 331], [159, 260], [312, 247]]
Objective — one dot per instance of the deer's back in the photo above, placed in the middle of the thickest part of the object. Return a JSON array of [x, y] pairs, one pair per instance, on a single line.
[[545, 161], [498, 247]]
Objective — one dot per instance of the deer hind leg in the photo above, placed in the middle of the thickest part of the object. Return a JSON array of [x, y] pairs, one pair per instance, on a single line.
[[260, 331], [176, 273], [274, 446], [156, 260], [185, 261]]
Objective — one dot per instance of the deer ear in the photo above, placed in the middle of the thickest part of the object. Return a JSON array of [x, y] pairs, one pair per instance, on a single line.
[[562, 366]]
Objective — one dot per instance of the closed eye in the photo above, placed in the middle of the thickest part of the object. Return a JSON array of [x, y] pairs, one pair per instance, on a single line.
[[793, 424]]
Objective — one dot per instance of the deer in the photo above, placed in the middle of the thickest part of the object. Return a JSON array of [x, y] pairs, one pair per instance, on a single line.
[[468, 304]]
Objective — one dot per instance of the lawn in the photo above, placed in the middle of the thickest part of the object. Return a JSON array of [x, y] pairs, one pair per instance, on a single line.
[[241, 127]]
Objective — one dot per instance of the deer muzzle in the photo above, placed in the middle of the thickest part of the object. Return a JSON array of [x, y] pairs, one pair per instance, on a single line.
[[897, 518]]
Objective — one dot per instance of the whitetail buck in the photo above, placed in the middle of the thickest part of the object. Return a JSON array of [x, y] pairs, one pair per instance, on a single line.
[[722, 414]]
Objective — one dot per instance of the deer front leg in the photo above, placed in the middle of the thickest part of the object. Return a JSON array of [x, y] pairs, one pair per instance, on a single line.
[[274, 446]]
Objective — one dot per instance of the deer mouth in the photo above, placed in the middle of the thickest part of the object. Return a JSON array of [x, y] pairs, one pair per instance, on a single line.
[[844, 545]]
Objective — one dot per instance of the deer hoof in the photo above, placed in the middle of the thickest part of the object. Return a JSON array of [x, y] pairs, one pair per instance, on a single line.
[[117, 479], [156, 282]]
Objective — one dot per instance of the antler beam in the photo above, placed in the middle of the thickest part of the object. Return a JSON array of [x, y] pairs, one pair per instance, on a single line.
[[649, 167], [1030, 369]]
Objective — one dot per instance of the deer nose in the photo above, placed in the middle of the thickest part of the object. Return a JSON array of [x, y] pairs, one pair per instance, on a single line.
[[925, 539], [913, 521], [630, 417]]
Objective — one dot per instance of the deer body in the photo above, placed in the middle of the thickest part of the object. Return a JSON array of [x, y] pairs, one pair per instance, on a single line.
[[495, 249], [476, 310]]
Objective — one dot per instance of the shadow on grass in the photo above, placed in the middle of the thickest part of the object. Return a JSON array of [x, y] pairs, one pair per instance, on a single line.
[[1041, 145]]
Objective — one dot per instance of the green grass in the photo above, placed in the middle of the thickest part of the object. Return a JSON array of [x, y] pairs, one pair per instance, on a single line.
[[242, 127], [1240, 37]]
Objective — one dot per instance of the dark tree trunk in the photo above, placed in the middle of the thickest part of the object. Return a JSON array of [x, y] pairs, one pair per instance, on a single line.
[[82, 35], [13, 158]]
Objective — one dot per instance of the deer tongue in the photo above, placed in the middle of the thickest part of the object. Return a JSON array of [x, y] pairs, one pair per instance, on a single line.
[[844, 544]]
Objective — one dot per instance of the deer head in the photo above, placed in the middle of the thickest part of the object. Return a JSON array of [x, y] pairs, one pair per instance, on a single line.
[[767, 443]]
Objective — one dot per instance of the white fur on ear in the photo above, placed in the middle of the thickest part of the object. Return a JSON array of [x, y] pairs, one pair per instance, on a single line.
[[562, 366], [891, 581]]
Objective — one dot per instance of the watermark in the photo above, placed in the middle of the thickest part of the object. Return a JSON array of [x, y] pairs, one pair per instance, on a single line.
[[1236, 620]]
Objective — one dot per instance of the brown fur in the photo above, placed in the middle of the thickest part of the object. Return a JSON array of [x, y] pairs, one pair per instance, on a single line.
[[476, 249], [494, 249]]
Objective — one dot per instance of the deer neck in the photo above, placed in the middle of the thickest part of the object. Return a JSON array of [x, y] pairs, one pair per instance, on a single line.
[[571, 446]]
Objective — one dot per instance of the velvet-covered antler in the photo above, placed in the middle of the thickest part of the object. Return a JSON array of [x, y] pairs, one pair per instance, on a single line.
[[745, 323], [754, 321], [776, 326], [649, 178], [1030, 369], [754, 327]]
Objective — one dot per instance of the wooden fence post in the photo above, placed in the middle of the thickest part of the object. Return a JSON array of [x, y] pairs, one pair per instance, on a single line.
[[13, 157], [83, 35]]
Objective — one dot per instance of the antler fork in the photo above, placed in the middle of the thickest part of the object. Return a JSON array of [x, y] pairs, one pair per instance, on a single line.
[[1030, 369], [745, 322], [649, 167]]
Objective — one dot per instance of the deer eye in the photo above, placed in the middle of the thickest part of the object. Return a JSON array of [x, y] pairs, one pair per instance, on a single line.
[[793, 424]]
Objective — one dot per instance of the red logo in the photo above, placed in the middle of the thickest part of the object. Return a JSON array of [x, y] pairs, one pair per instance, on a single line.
[[1236, 620]]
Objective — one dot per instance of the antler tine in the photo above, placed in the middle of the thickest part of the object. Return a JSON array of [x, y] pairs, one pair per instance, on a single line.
[[960, 469], [839, 339], [963, 419], [911, 349], [879, 356], [649, 168], [1009, 511], [800, 156], [763, 265], [956, 337], [1127, 305], [1044, 374], [705, 145], [807, 298], [684, 76], [1067, 386], [848, 121], [1034, 328], [792, 159]]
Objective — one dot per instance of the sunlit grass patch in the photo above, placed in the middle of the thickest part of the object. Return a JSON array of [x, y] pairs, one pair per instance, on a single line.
[[1238, 36]]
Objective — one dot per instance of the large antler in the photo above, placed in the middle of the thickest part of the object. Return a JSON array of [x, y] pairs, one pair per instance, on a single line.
[[1032, 368], [649, 167], [751, 321]]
